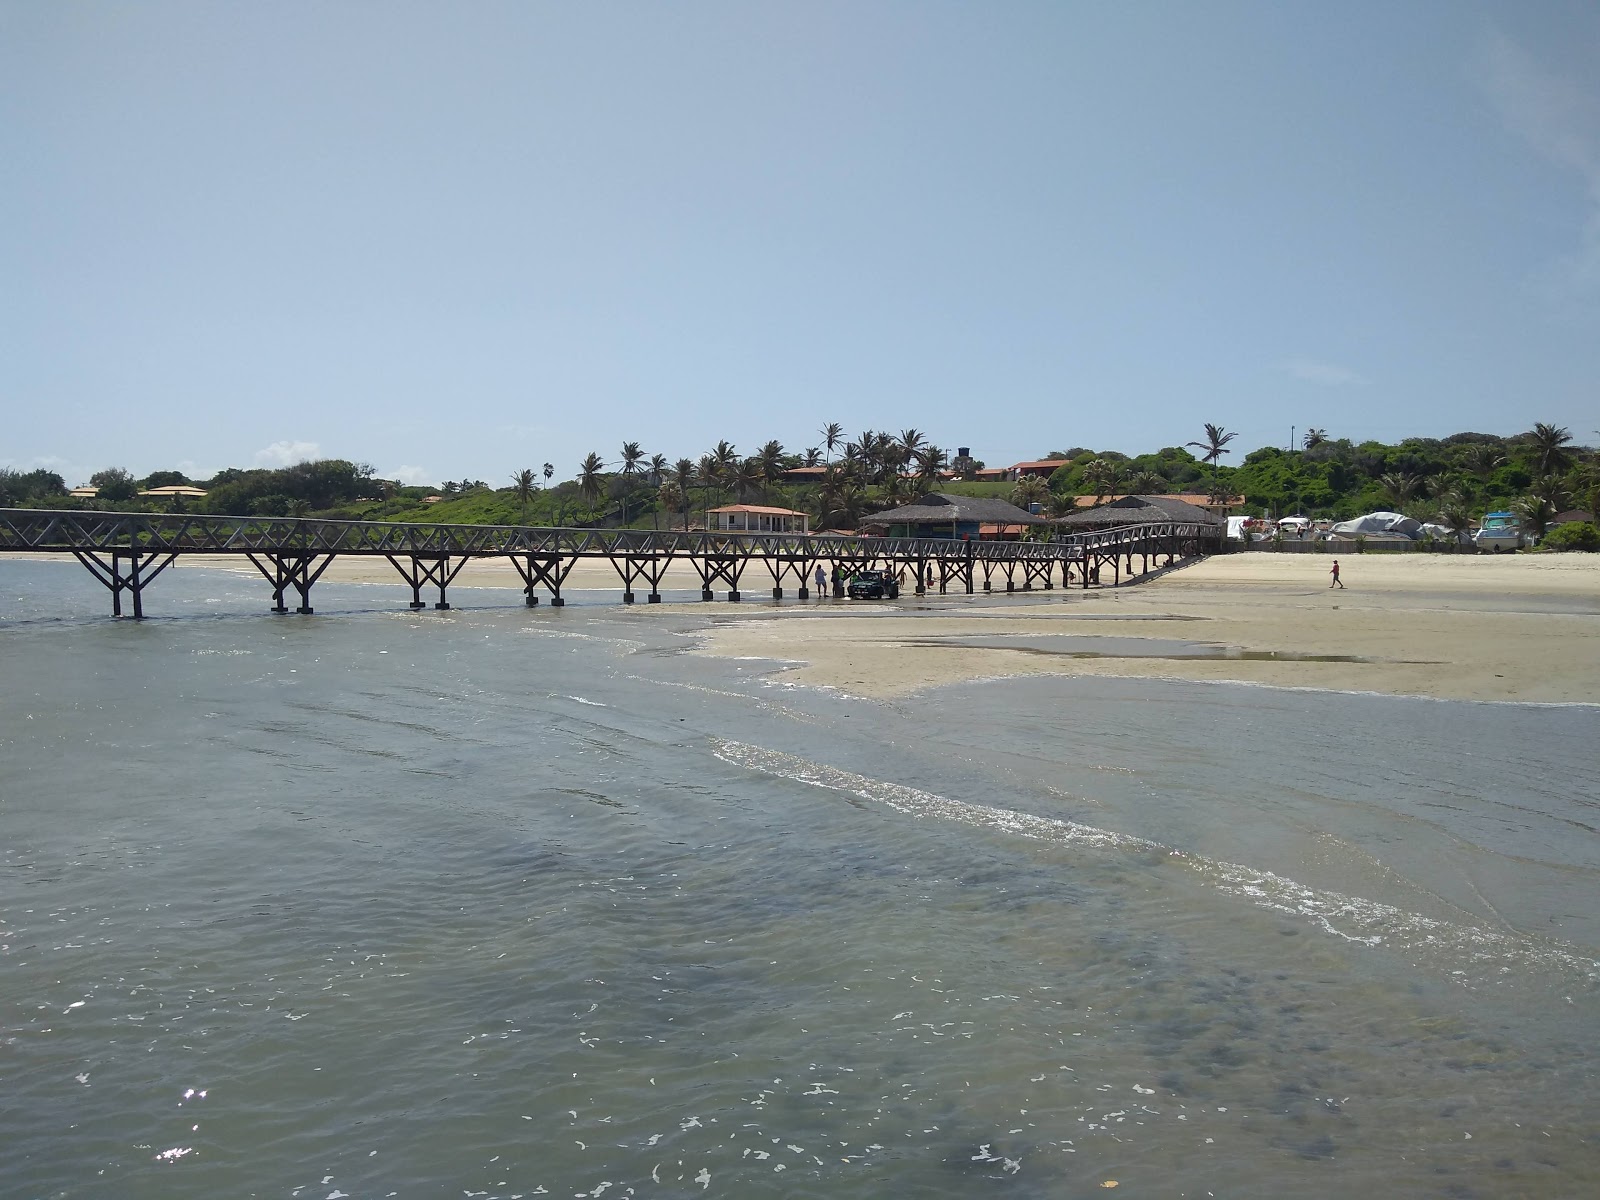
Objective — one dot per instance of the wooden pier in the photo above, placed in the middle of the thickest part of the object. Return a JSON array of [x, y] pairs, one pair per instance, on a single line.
[[127, 551]]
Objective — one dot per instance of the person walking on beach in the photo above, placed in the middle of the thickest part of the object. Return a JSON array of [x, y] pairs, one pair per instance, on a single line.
[[822, 581], [1335, 573]]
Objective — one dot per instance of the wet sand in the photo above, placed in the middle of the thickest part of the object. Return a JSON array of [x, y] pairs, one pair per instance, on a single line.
[[1522, 628]]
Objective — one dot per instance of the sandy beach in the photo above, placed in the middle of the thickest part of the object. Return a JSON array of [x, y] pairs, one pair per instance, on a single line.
[[1466, 627], [1510, 628]]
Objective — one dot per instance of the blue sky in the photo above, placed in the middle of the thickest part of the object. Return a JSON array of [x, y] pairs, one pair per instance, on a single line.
[[456, 240]]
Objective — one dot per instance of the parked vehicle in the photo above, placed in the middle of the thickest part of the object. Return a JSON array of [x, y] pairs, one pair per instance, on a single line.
[[1501, 531], [874, 585]]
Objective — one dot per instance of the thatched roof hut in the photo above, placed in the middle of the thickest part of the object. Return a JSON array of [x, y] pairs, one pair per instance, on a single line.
[[940, 514], [1138, 510]]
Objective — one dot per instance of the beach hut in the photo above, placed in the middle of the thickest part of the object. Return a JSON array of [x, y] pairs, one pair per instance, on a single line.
[[756, 518], [941, 515]]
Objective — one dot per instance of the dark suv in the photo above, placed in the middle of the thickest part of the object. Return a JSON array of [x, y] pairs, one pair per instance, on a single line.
[[874, 585]]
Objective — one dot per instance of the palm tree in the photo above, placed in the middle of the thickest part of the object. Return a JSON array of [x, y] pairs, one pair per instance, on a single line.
[[1586, 483], [832, 435], [1030, 490], [894, 489], [867, 448], [771, 458], [523, 485], [1313, 438], [632, 456], [749, 477], [931, 463], [1549, 442], [549, 470], [1483, 460], [1455, 516], [727, 460], [1535, 511], [911, 441], [710, 476], [839, 501], [672, 498], [1214, 445], [1102, 475], [683, 473], [591, 479], [813, 457], [1398, 488], [1148, 483]]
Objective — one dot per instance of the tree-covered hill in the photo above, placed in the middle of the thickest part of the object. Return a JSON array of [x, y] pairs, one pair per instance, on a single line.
[[1455, 479]]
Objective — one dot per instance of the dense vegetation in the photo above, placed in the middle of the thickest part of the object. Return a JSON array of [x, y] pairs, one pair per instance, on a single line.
[[1454, 480]]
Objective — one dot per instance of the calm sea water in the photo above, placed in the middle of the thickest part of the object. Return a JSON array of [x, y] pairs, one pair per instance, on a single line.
[[504, 903]]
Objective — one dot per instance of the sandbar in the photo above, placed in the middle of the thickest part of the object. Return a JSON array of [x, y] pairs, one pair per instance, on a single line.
[[1521, 628]]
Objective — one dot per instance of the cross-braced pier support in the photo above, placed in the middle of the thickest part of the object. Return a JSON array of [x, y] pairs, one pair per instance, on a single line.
[[781, 567], [548, 570], [423, 572], [298, 571], [641, 566], [117, 580], [726, 567]]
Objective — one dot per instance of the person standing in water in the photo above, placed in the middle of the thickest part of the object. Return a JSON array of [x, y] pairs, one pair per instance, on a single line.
[[1335, 573]]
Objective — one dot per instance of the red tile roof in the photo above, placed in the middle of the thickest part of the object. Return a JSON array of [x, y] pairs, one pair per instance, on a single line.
[[757, 508]]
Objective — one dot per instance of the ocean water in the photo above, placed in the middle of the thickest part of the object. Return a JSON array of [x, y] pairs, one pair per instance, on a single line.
[[501, 902]]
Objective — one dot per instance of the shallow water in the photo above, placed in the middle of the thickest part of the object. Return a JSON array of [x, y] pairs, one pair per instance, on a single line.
[[515, 902]]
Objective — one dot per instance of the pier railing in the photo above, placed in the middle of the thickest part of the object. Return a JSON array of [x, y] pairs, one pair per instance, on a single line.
[[126, 551]]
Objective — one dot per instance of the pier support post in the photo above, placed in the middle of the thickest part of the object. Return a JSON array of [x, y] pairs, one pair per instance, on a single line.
[[546, 569], [117, 581], [435, 571], [291, 570], [777, 593]]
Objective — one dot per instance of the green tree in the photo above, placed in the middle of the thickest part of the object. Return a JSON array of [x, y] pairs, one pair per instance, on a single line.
[[672, 499], [115, 484], [632, 456], [591, 480], [1101, 476], [1030, 490], [524, 484], [931, 464], [1215, 445], [832, 435], [1398, 489], [1482, 459], [1549, 447]]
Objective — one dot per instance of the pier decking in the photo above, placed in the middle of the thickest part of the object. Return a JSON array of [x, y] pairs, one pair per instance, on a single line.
[[127, 551]]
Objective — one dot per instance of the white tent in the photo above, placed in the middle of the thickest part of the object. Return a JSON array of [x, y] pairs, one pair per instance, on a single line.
[[1380, 522]]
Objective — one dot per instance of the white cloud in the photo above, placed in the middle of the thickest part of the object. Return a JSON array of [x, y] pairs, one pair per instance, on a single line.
[[1326, 374], [411, 476], [287, 454], [1559, 117]]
